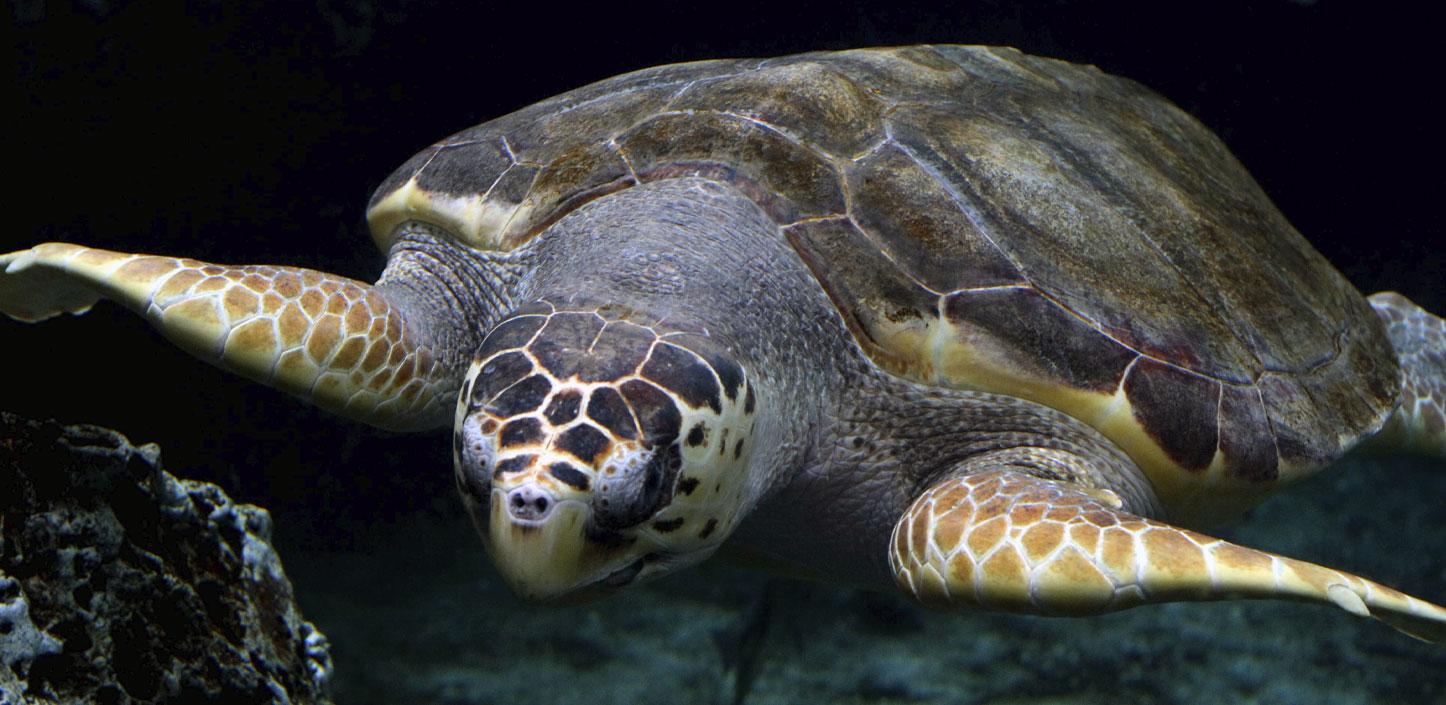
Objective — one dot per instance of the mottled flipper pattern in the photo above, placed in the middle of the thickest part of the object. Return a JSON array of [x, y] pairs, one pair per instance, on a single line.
[[1419, 337], [1006, 540], [330, 340]]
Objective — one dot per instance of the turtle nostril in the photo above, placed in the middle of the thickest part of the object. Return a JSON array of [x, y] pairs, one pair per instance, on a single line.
[[529, 503]]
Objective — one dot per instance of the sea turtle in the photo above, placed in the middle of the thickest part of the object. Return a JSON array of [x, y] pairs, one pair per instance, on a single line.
[[959, 320]]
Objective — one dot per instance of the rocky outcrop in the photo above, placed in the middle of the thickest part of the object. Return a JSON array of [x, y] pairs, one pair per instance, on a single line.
[[121, 583]]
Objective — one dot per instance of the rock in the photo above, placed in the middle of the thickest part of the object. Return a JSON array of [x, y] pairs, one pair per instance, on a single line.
[[121, 583]]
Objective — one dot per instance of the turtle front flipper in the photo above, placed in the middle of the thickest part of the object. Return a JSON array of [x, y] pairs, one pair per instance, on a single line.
[[1006, 540], [335, 342]]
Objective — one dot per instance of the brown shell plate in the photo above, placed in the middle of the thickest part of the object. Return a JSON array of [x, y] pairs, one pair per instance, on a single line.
[[982, 219]]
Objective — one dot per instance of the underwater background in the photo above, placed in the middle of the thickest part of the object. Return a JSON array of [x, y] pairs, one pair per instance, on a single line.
[[254, 133]]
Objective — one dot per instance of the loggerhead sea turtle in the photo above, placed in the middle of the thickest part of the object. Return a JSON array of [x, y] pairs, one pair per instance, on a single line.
[[959, 320]]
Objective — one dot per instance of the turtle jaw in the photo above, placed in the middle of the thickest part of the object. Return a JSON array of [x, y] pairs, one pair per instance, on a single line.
[[545, 560], [563, 557]]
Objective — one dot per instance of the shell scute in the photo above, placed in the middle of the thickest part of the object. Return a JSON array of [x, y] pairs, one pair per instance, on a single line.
[[581, 169], [1066, 235], [925, 229], [809, 100], [903, 74], [1245, 439], [803, 180], [456, 169], [1040, 337], [1178, 409], [889, 312]]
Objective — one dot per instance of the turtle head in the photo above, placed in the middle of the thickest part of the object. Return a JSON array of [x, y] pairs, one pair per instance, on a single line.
[[594, 452]]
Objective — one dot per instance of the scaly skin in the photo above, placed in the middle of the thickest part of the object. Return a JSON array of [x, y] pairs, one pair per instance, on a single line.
[[1419, 424], [335, 342], [1002, 539]]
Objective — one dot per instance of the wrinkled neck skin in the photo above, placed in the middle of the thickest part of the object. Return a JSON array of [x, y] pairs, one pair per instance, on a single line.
[[698, 255], [451, 294]]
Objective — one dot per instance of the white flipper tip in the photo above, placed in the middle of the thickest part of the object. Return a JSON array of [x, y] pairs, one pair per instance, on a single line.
[[31, 291], [1347, 599], [18, 261]]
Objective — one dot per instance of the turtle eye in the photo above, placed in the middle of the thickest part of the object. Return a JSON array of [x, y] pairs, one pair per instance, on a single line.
[[632, 493]]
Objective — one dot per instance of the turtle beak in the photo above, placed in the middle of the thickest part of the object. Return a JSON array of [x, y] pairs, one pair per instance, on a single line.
[[545, 550]]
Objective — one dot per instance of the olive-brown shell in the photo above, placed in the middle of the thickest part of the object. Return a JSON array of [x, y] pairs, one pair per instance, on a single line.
[[983, 219]]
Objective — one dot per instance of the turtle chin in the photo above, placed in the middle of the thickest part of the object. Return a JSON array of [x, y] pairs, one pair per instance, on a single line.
[[562, 557], [546, 560]]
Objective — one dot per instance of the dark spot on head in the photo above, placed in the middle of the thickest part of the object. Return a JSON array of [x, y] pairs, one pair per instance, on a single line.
[[569, 475], [666, 525], [511, 333], [616, 353], [730, 374], [521, 398], [606, 538], [723, 447], [708, 529], [584, 442], [562, 345], [698, 435], [521, 432], [654, 410], [563, 407], [608, 409], [858, 441], [516, 463], [489, 426], [748, 400], [683, 372], [738, 449], [687, 485], [498, 374]]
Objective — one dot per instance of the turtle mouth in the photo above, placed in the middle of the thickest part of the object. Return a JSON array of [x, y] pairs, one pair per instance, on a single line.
[[633, 572], [611, 582], [624, 576]]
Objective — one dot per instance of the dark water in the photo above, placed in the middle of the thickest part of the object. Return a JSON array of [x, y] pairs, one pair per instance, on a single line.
[[254, 134]]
